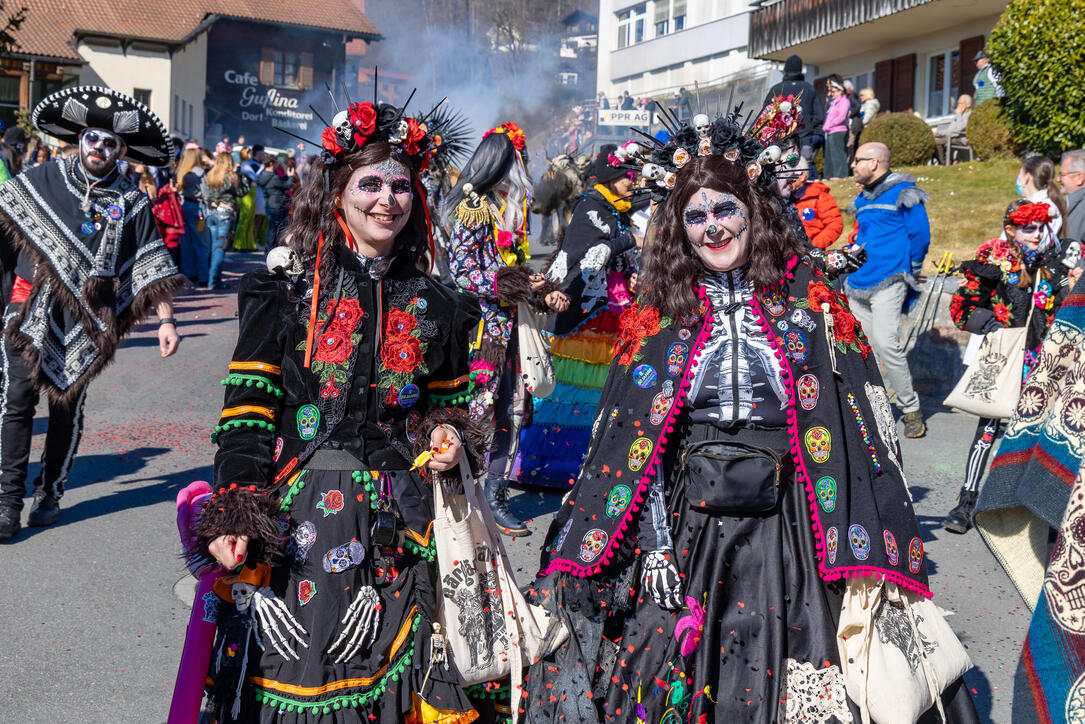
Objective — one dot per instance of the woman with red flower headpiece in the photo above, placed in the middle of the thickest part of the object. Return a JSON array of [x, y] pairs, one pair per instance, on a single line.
[[350, 363], [998, 291]]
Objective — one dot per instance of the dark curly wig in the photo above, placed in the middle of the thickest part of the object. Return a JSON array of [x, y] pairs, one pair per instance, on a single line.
[[674, 271], [314, 209]]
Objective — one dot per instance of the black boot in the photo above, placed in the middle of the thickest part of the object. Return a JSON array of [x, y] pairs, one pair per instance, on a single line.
[[497, 495], [959, 519], [9, 522], [46, 510]]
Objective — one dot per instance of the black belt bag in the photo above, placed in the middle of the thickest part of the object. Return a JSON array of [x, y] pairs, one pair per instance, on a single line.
[[731, 478]]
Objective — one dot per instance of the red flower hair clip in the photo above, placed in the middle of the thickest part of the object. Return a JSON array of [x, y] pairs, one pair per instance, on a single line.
[[513, 131], [1039, 213]]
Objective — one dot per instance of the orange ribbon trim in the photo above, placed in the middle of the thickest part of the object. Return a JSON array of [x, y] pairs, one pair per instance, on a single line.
[[262, 366], [235, 411]]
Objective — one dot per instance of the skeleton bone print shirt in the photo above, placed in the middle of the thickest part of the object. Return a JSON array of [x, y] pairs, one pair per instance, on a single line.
[[737, 379]]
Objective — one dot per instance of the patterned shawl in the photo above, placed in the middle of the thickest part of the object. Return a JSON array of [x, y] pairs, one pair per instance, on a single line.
[[95, 273], [1036, 484], [843, 436]]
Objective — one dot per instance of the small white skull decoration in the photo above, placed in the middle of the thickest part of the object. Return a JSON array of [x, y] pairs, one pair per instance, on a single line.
[[1072, 255], [242, 593], [702, 124], [652, 171], [400, 135], [284, 262], [1065, 580], [341, 123]]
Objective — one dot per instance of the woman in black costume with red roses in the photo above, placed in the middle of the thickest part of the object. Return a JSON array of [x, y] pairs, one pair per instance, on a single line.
[[350, 363], [740, 470]]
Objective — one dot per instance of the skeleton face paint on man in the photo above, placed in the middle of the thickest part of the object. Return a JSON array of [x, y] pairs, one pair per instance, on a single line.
[[717, 227], [376, 205], [99, 151]]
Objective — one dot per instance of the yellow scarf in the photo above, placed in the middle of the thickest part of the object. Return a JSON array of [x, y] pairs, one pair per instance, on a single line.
[[622, 205]]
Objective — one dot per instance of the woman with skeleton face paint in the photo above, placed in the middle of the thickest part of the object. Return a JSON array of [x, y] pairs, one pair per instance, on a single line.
[[350, 363], [741, 474], [1026, 270]]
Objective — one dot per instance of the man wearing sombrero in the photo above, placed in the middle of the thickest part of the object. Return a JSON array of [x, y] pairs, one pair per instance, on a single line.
[[84, 262]]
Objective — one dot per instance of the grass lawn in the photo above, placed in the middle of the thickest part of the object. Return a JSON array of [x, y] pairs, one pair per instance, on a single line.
[[966, 206]]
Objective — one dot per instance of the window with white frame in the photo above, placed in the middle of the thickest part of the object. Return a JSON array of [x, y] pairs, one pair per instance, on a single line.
[[942, 72], [670, 16], [631, 25]]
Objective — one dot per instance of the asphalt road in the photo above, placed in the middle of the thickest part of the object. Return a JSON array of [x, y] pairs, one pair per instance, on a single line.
[[94, 617]]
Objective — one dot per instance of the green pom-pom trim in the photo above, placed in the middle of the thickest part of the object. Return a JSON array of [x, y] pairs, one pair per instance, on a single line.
[[367, 480], [235, 424], [501, 692], [429, 552], [456, 398], [393, 673], [261, 383], [288, 499]]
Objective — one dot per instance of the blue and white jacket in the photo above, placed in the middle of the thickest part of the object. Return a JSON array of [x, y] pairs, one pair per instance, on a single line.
[[893, 228]]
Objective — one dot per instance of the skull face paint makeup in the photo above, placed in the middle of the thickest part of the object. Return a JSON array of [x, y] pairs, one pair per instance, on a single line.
[[99, 151], [377, 205], [717, 228]]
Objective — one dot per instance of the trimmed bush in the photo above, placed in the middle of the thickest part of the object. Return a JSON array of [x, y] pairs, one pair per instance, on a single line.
[[1038, 48], [910, 139], [989, 132]]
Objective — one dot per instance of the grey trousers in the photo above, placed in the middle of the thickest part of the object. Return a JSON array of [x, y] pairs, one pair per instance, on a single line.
[[880, 319]]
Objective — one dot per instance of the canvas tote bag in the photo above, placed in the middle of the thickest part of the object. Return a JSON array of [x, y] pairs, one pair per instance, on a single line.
[[491, 630], [897, 652], [536, 367], [991, 384]]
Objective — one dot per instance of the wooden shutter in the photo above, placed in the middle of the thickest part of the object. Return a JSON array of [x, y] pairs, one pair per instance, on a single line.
[[904, 83], [267, 66], [305, 72], [969, 48], [883, 83]]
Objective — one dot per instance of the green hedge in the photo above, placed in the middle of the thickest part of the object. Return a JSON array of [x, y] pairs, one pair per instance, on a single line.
[[989, 132], [910, 139], [1038, 47]]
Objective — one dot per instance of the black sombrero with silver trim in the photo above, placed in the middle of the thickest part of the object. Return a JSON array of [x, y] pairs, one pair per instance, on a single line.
[[67, 112]]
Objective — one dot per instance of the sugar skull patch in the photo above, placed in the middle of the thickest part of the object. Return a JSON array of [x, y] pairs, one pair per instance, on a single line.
[[344, 557], [308, 421], [826, 491], [618, 501], [677, 354], [796, 346], [860, 542], [801, 318], [330, 503], [592, 544], [304, 538], [306, 591], [831, 540], [661, 404], [818, 444], [645, 376], [891, 550], [915, 555], [774, 302], [639, 452], [808, 389]]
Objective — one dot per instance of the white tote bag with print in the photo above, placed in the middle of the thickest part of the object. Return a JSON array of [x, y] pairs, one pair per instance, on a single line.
[[491, 630], [536, 367], [897, 652]]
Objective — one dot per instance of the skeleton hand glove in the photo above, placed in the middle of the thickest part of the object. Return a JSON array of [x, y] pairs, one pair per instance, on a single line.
[[362, 619], [661, 579], [272, 620]]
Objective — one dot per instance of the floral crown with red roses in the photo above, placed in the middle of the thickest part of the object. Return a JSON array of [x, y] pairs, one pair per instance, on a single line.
[[1039, 213], [439, 137]]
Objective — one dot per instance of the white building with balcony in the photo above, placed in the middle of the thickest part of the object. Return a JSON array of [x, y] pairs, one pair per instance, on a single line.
[[653, 48]]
